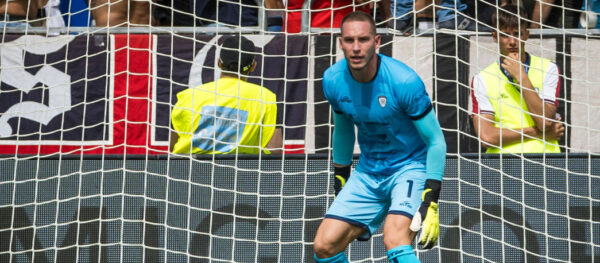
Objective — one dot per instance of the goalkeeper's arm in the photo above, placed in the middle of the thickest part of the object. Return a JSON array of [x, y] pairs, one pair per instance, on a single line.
[[427, 216], [343, 147]]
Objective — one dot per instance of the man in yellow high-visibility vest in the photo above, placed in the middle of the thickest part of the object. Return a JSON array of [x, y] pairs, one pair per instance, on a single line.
[[515, 98], [229, 115]]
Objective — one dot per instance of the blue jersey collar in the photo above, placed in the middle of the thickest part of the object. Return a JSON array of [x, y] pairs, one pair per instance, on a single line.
[[376, 72], [378, 64]]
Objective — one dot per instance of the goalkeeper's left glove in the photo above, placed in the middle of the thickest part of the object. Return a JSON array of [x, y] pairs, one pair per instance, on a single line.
[[428, 215], [341, 175]]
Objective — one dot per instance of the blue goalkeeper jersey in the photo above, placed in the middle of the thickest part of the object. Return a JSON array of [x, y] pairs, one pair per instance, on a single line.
[[383, 111]]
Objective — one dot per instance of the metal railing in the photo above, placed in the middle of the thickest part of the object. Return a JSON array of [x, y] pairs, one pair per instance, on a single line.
[[253, 30]]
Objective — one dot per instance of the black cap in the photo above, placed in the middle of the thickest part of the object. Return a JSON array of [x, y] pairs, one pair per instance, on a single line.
[[230, 54]]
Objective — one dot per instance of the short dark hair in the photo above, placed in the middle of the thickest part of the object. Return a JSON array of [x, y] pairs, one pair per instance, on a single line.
[[359, 16], [237, 54], [510, 16]]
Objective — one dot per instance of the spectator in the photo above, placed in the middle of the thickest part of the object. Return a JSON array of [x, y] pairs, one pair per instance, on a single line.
[[538, 10], [163, 11], [275, 11], [543, 14], [541, 10], [514, 99], [236, 13], [241, 13], [566, 15], [53, 15], [446, 15], [19, 13], [589, 16], [121, 12], [228, 115], [326, 14], [172, 13], [384, 13], [76, 13]]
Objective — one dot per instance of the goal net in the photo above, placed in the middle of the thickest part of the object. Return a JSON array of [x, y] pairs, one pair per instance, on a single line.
[[85, 128]]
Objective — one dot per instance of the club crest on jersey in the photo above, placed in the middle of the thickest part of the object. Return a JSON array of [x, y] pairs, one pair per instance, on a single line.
[[382, 101]]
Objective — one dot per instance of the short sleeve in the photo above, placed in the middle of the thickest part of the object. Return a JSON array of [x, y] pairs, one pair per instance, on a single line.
[[329, 91], [415, 100], [481, 102], [551, 84]]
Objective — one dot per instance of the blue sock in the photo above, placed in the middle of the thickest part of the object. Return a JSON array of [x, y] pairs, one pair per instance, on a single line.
[[402, 254], [339, 258]]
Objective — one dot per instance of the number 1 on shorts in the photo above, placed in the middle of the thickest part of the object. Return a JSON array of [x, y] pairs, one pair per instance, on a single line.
[[410, 185]]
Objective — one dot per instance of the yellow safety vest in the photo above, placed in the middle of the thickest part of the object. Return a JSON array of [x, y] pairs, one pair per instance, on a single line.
[[225, 116], [510, 108]]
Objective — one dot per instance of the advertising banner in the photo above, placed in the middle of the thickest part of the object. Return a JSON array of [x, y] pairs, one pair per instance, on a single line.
[[112, 94]]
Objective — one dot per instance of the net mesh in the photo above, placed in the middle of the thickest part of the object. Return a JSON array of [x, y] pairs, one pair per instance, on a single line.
[[85, 124]]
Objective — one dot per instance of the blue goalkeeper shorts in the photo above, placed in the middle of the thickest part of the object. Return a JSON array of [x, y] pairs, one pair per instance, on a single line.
[[366, 198]]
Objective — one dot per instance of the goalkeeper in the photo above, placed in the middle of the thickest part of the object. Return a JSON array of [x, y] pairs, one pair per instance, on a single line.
[[399, 173]]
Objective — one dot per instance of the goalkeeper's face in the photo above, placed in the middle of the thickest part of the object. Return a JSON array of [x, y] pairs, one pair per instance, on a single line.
[[359, 44]]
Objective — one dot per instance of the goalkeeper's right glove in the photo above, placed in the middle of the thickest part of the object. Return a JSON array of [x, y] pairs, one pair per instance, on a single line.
[[428, 215], [341, 175]]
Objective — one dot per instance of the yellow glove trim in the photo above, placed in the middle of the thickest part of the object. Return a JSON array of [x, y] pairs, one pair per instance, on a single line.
[[341, 179], [424, 193]]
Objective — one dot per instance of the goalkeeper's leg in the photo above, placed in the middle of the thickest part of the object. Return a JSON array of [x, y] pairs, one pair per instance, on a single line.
[[333, 236], [407, 187], [397, 238]]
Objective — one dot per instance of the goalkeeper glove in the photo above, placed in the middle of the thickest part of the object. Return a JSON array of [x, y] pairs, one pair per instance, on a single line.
[[341, 175], [428, 215]]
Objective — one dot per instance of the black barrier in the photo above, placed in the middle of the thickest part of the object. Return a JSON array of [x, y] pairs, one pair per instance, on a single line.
[[245, 209]]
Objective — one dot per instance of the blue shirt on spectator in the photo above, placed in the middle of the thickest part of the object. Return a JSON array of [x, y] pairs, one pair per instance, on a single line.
[[75, 13]]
